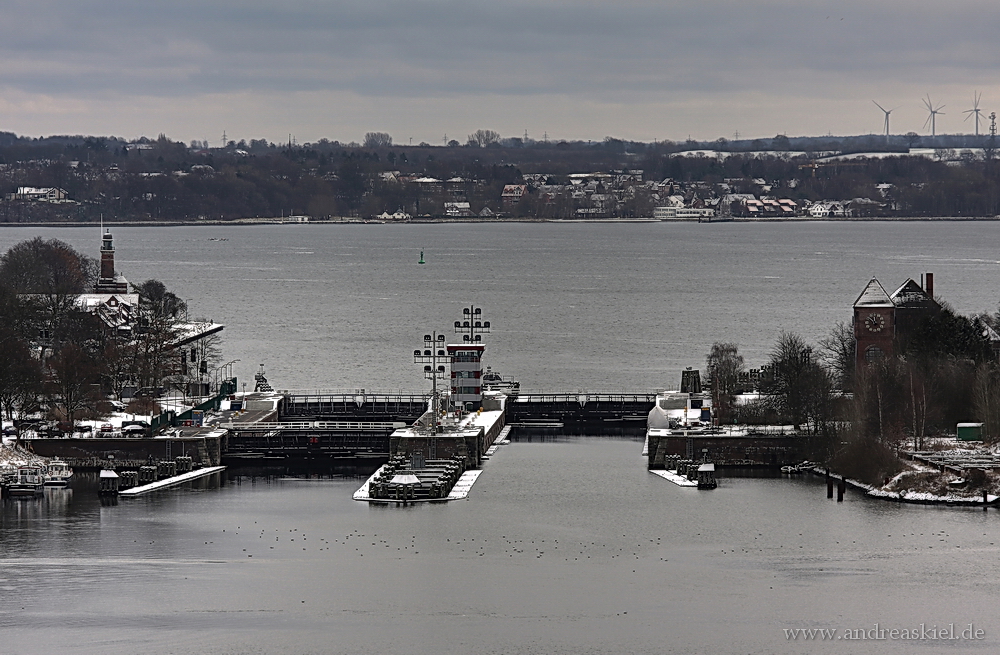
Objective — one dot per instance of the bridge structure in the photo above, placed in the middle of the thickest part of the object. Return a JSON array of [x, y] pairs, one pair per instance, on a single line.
[[337, 439], [580, 409], [356, 405]]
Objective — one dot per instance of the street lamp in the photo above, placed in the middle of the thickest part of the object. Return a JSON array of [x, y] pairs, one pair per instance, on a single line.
[[228, 366]]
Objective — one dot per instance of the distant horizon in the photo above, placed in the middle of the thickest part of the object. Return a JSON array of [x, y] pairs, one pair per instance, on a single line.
[[893, 139]]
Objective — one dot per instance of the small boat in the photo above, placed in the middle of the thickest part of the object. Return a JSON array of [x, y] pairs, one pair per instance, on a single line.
[[790, 469], [58, 474], [27, 482], [493, 381]]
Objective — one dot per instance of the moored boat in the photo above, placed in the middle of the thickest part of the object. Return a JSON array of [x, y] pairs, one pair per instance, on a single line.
[[58, 474], [27, 482], [493, 381]]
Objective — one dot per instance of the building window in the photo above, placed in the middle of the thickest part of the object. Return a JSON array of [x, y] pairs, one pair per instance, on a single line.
[[873, 354]]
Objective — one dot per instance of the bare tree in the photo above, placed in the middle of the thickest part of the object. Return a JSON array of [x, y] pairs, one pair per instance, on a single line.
[[377, 140], [838, 354], [52, 274], [74, 380], [798, 387], [155, 299], [20, 378], [986, 399], [724, 365], [483, 138]]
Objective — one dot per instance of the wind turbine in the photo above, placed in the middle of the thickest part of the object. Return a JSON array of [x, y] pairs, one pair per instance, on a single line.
[[975, 109], [933, 114], [886, 112]]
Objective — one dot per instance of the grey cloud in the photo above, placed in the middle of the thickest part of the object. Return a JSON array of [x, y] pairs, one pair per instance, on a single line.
[[449, 49]]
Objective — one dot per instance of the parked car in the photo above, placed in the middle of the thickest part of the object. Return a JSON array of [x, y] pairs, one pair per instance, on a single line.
[[85, 428], [107, 427]]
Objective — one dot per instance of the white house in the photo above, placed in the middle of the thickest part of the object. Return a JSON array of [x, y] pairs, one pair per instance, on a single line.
[[36, 194]]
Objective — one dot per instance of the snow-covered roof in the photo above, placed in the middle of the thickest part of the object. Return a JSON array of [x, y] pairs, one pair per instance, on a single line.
[[188, 332], [874, 295], [911, 294], [404, 477]]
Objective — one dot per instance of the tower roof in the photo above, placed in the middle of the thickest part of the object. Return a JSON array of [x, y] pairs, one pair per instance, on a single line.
[[874, 295]]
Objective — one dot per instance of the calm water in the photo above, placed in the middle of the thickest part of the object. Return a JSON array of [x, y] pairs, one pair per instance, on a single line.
[[575, 306], [565, 546]]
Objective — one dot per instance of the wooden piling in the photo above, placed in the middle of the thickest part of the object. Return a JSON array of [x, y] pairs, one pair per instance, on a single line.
[[829, 485], [841, 487]]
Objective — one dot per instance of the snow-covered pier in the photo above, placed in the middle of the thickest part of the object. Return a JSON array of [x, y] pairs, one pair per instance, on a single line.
[[171, 482], [408, 488]]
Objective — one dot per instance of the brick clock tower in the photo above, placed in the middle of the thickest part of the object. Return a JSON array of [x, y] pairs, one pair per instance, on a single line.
[[882, 322], [874, 324]]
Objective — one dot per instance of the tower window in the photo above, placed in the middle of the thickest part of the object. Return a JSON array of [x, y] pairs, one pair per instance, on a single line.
[[873, 354]]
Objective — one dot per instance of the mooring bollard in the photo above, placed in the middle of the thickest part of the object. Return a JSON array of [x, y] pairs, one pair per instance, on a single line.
[[841, 486]]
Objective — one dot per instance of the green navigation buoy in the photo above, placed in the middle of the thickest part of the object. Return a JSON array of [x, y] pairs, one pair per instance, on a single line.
[[421, 258]]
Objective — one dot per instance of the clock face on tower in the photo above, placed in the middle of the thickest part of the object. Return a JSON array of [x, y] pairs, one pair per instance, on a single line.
[[874, 323]]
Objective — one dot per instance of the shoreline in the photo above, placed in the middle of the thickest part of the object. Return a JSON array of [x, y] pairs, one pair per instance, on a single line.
[[912, 498], [253, 222]]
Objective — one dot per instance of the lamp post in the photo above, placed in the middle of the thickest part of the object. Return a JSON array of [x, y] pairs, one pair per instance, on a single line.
[[227, 372], [434, 356]]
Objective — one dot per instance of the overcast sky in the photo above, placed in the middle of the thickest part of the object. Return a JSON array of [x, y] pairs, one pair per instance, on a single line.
[[423, 69]]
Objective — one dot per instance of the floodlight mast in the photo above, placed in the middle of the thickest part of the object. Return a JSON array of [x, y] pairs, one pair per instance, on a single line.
[[472, 325], [434, 356]]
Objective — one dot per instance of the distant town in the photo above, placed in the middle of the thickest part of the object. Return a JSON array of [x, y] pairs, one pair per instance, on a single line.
[[490, 177]]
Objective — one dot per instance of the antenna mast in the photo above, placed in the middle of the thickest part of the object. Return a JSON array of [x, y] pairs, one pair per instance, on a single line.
[[991, 144]]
